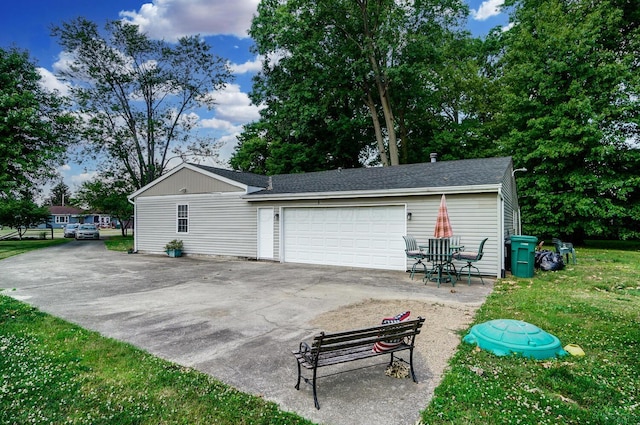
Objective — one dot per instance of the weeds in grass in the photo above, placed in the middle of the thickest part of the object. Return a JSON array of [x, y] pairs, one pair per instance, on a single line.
[[9, 248], [55, 372], [595, 304], [119, 243]]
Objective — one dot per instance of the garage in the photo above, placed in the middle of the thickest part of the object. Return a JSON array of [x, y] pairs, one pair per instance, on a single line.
[[368, 236]]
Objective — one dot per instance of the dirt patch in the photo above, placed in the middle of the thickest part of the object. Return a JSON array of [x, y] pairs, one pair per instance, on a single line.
[[440, 333]]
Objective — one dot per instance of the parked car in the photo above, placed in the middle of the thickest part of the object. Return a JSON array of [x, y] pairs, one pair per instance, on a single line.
[[70, 230], [87, 231]]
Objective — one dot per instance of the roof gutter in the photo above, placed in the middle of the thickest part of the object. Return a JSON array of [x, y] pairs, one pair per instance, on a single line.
[[447, 190]]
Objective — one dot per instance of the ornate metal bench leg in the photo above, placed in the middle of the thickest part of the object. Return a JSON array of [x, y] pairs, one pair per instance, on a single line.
[[413, 374], [299, 374], [315, 394]]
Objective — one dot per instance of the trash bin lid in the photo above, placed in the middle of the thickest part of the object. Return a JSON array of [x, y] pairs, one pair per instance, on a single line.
[[507, 336], [524, 238]]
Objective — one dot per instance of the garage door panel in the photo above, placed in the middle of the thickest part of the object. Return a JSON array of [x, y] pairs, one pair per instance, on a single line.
[[346, 236]]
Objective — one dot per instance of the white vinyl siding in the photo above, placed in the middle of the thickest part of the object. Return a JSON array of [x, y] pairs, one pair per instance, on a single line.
[[188, 181], [219, 224], [226, 224]]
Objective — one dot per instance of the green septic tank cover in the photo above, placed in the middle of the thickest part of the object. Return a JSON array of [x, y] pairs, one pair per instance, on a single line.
[[506, 336]]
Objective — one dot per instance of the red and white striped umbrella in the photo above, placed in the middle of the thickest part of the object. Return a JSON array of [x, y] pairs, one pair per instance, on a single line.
[[443, 226]]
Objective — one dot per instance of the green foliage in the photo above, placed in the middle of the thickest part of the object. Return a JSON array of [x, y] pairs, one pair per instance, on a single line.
[[60, 195], [593, 304], [351, 83], [174, 244], [34, 126], [570, 115], [55, 372], [135, 95], [108, 197], [22, 214], [559, 91]]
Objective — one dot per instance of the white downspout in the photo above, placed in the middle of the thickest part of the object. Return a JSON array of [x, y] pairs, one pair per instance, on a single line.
[[135, 225], [500, 233]]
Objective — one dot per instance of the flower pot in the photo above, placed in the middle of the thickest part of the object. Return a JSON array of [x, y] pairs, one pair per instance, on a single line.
[[174, 252]]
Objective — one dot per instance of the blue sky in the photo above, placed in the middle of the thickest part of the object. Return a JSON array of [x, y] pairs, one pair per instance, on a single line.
[[223, 23]]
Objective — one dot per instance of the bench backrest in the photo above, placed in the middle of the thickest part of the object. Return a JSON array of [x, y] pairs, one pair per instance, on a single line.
[[407, 330]]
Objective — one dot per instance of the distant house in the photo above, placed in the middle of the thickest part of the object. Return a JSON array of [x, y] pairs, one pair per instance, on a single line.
[[344, 217], [61, 215]]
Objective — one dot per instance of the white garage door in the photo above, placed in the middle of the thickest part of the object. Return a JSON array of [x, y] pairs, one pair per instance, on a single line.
[[368, 237]]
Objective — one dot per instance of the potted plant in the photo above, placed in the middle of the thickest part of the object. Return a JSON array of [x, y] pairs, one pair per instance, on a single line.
[[174, 248]]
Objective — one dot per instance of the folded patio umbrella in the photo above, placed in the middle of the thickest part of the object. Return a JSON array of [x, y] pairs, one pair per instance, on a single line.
[[443, 226]]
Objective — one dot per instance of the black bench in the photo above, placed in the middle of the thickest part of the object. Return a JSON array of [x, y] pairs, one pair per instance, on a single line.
[[334, 348]]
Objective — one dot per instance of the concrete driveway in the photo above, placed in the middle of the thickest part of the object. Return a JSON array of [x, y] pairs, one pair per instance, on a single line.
[[235, 320]]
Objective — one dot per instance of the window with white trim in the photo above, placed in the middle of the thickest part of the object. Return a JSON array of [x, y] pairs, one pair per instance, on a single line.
[[62, 219], [182, 225]]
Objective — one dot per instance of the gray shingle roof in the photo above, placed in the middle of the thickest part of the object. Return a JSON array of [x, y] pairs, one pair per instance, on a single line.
[[249, 179], [467, 172]]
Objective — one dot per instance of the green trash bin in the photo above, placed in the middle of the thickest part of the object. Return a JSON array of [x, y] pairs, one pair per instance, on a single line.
[[523, 255]]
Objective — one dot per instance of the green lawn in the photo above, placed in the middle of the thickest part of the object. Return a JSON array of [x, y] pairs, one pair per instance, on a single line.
[[595, 304], [55, 372], [15, 247]]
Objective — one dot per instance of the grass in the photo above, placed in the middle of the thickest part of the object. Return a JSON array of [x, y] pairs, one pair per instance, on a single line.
[[595, 304], [119, 243], [113, 240], [9, 248], [55, 372]]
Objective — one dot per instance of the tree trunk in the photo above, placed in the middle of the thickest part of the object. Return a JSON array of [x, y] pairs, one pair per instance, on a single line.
[[378, 130]]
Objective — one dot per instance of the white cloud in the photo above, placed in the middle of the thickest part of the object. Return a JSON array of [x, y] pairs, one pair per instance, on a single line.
[[250, 66], [51, 83], [221, 125], [235, 106], [487, 9], [78, 179], [172, 19]]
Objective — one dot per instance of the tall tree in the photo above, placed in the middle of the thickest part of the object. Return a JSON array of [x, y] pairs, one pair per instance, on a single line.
[[570, 116], [35, 128], [332, 65], [60, 195], [109, 197], [138, 94], [21, 214]]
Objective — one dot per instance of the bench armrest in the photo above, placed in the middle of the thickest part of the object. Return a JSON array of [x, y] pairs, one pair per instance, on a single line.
[[305, 351]]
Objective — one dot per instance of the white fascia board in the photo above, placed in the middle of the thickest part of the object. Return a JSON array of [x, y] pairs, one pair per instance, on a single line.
[[447, 190], [192, 168], [186, 196]]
